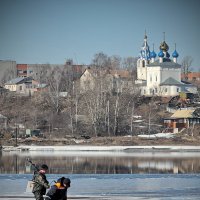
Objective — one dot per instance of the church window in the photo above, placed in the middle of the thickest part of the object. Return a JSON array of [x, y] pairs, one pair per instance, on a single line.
[[143, 63]]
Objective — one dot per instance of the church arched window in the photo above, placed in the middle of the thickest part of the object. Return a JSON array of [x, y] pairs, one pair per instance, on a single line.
[[143, 63]]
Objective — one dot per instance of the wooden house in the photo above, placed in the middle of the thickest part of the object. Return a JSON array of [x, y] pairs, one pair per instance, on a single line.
[[182, 119], [110, 80]]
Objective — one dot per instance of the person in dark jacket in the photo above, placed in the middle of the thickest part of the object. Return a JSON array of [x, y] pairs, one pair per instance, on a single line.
[[59, 190], [40, 182]]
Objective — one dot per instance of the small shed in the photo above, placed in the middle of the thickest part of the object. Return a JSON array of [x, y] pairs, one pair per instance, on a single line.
[[34, 132]]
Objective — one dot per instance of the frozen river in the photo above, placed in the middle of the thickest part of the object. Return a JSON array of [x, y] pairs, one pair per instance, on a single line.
[[130, 186]]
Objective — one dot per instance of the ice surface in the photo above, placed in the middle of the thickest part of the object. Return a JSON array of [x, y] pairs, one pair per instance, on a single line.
[[121, 186]]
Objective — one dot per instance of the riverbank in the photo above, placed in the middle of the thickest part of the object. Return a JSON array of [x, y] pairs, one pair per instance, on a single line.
[[165, 148]]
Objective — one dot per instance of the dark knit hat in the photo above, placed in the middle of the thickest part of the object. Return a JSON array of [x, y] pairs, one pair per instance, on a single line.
[[44, 166], [67, 181]]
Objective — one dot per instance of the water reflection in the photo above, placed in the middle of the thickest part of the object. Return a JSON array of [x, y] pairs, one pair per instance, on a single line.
[[101, 162]]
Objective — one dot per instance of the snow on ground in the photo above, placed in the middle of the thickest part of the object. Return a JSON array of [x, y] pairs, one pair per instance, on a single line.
[[158, 135], [105, 148]]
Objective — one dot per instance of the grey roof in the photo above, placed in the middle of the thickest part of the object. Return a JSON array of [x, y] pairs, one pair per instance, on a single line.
[[15, 80], [171, 81], [183, 89], [18, 80], [165, 64]]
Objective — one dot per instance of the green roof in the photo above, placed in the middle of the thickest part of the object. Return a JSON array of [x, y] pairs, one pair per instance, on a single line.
[[171, 81]]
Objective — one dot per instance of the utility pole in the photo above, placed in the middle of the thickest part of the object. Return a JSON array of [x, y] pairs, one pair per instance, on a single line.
[[16, 135]]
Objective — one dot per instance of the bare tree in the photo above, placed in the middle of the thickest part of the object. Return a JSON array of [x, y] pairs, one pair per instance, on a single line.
[[115, 62], [56, 85], [186, 65], [40, 72], [100, 60], [116, 112], [129, 63]]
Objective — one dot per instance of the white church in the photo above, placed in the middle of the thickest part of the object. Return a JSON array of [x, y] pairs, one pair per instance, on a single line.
[[160, 76]]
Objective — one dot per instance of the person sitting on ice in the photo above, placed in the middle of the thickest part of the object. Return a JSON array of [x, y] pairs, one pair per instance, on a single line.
[[59, 190]]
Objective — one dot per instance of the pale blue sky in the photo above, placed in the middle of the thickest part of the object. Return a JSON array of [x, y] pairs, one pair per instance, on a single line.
[[50, 31]]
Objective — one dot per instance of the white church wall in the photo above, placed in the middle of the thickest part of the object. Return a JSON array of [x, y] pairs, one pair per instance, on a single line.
[[169, 90], [141, 70], [153, 76]]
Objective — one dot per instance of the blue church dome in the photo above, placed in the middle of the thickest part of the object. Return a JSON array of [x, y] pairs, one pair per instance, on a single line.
[[175, 54], [161, 54], [153, 54], [145, 52]]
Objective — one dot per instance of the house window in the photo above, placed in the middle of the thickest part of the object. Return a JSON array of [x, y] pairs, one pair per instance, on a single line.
[[20, 87], [144, 91], [156, 78], [177, 89], [151, 78], [29, 86], [165, 90], [156, 90]]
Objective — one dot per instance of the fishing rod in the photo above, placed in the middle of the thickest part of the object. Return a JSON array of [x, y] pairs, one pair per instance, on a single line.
[[32, 164], [36, 168]]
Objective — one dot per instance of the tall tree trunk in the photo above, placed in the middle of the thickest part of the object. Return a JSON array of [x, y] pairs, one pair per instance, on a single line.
[[108, 117], [132, 118], [116, 113]]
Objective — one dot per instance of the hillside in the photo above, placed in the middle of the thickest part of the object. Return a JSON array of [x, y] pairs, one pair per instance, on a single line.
[[36, 112]]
